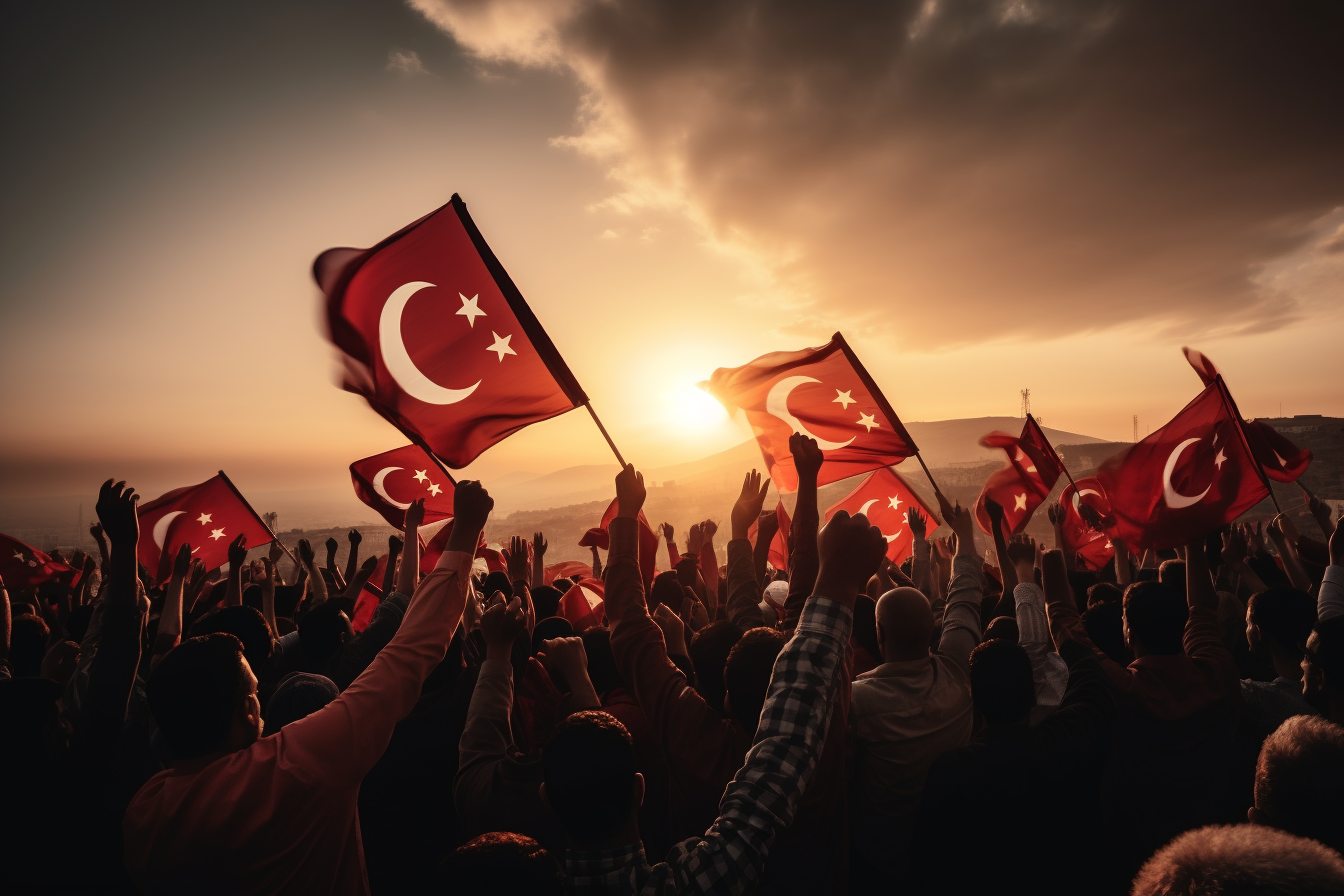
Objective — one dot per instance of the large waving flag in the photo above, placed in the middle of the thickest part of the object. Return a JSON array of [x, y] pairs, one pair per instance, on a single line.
[[820, 392], [439, 340], [1019, 488], [24, 566], [886, 499], [390, 481], [208, 516]]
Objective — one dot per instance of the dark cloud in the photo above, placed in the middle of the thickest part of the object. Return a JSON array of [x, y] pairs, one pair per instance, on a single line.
[[971, 169]]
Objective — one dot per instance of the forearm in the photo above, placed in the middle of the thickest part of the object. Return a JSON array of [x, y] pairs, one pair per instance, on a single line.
[[352, 571], [409, 576], [390, 572], [920, 568], [961, 619], [673, 556], [1292, 566], [624, 593], [487, 736], [1007, 571], [170, 620], [1198, 583], [744, 588], [1330, 600]]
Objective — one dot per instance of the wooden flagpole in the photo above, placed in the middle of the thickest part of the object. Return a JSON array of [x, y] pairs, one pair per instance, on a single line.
[[614, 450]]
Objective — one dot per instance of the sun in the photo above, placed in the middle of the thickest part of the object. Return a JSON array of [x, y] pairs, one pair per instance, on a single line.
[[690, 408]]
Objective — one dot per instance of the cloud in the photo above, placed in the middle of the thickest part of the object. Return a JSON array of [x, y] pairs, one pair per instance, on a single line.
[[406, 62], [961, 171]]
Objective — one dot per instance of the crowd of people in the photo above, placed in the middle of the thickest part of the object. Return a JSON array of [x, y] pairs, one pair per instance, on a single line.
[[987, 716]]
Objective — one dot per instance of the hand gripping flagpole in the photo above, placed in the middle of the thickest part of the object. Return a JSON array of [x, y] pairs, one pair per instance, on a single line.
[[274, 537]]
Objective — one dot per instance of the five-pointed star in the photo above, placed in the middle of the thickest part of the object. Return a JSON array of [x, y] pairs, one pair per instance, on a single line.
[[501, 345], [844, 399], [894, 502], [470, 310], [216, 534], [434, 488], [867, 421], [420, 476], [203, 519], [1020, 501], [18, 555], [1220, 459]]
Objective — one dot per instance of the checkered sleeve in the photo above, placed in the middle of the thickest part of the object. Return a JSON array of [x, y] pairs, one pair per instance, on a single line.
[[764, 795]]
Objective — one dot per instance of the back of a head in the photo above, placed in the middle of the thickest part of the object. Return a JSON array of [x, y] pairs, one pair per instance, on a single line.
[[905, 624], [602, 670], [1284, 615], [1104, 593], [1106, 627], [549, 629], [1172, 574], [299, 695], [1156, 615], [746, 674], [501, 864], [588, 768], [666, 589], [546, 601], [322, 631], [709, 651], [193, 692], [497, 581], [1299, 780], [244, 623], [27, 645], [1241, 860], [1001, 681]]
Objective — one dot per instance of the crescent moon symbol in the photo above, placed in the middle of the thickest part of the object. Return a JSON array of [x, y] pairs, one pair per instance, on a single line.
[[161, 527], [398, 361], [1175, 500], [382, 490], [1078, 495], [777, 404], [866, 504]]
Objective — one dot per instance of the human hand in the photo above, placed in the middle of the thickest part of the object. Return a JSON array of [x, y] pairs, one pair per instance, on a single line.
[[708, 529], [1255, 539], [1055, 513], [945, 547], [748, 506], [96, 530], [275, 551], [668, 532], [332, 546], [807, 457], [182, 562], [1320, 511], [306, 555], [962, 522], [1289, 529], [539, 546], [267, 582], [500, 624], [471, 508], [60, 661], [515, 559], [919, 526], [767, 524], [674, 630], [850, 550], [238, 552], [116, 511], [415, 514], [394, 546], [696, 614], [693, 540], [567, 656], [355, 537], [1234, 546], [630, 492], [368, 566]]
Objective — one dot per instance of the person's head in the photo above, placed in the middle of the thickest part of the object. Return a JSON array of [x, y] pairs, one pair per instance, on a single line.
[[549, 629], [244, 623], [1172, 574], [602, 670], [1299, 781], [709, 651], [1280, 619], [1001, 682], [546, 601], [1104, 593], [1241, 860], [1323, 669], [1002, 628], [501, 864], [299, 695], [497, 581], [1105, 624], [666, 589], [323, 630], [746, 675], [904, 625], [203, 697], [865, 625], [27, 645], [589, 778], [1154, 616]]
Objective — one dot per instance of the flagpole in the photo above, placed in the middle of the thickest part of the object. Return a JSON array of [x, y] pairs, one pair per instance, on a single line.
[[1055, 453], [274, 537], [420, 443], [1231, 407], [937, 491], [587, 404]]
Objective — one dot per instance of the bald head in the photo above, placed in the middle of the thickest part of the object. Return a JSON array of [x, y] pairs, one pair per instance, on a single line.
[[904, 625]]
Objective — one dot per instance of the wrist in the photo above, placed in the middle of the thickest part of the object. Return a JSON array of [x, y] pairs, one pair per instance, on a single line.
[[495, 650], [463, 539]]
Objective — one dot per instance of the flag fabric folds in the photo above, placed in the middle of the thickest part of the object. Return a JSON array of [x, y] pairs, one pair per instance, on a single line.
[[1186, 479], [208, 516], [824, 393], [584, 604], [438, 339], [599, 537], [778, 556], [24, 566], [1022, 486], [1090, 547], [885, 498], [390, 481]]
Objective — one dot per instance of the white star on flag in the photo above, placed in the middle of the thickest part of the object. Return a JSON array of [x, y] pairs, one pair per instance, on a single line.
[[470, 309], [434, 488], [420, 476], [894, 502], [203, 519], [843, 398], [1222, 458], [1020, 501], [501, 345], [868, 421], [216, 534], [18, 555]]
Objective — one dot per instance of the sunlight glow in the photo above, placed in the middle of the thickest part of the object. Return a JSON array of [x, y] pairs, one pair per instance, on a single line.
[[689, 408]]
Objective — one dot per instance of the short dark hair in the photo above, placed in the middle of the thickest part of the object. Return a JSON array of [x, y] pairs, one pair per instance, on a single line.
[[1156, 614], [502, 864], [589, 771], [28, 637], [1001, 681], [1172, 574], [602, 670], [666, 589], [322, 631], [244, 623], [549, 629], [709, 651], [746, 674], [1104, 593], [546, 601], [1299, 780], [1285, 615], [1240, 860], [497, 581], [194, 691], [1105, 626]]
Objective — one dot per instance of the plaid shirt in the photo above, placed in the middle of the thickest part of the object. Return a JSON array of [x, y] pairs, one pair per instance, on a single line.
[[763, 796]]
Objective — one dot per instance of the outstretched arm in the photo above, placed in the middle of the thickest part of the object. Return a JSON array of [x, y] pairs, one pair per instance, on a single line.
[[352, 562], [409, 576], [961, 618], [744, 587], [807, 460]]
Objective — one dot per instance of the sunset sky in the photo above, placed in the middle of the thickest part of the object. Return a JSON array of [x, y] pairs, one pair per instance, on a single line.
[[983, 197]]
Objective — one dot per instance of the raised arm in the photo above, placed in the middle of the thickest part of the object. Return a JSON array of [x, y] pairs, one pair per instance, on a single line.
[[233, 593], [317, 586], [669, 536], [1284, 535], [409, 576], [807, 460], [170, 618], [767, 525], [1330, 599], [961, 618], [352, 562], [360, 578], [538, 559], [487, 736], [919, 570], [1006, 606], [268, 583], [744, 587], [390, 570]]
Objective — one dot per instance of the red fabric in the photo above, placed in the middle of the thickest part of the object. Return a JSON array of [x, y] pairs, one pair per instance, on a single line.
[[564, 569], [648, 541], [709, 569], [367, 601], [885, 499], [431, 550], [207, 516], [407, 473], [1091, 547], [437, 338], [583, 604], [779, 545], [1185, 480], [23, 566], [823, 392], [1022, 486]]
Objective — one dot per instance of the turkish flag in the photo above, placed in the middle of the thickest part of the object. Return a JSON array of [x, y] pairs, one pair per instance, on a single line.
[[598, 536], [1015, 495], [820, 392], [23, 566], [584, 604], [390, 481], [404, 315], [1092, 547], [564, 569], [432, 550], [1186, 479], [207, 516], [1023, 485], [779, 545], [885, 498], [1280, 459], [366, 603]]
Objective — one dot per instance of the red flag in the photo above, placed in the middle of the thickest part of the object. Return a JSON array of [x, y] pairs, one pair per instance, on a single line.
[[564, 569], [1015, 495], [885, 498], [1185, 480], [23, 566], [1023, 485], [1280, 459], [432, 550], [1091, 546], [404, 315], [779, 545], [820, 392], [207, 516], [368, 599], [390, 481], [583, 604], [598, 536]]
